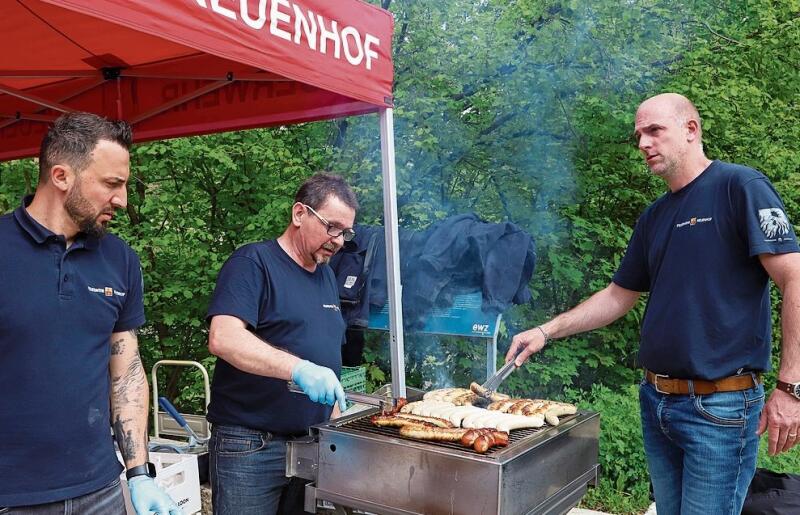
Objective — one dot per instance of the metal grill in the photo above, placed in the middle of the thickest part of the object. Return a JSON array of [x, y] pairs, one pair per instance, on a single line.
[[516, 437], [355, 464]]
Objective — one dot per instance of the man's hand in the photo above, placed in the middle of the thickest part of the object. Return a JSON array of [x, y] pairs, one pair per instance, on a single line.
[[527, 342], [319, 383], [599, 310], [147, 497], [781, 419]]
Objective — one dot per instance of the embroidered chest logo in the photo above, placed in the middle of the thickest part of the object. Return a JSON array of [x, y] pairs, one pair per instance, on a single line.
[[107, 291], [331, 306], [773, 222], [694, 221]]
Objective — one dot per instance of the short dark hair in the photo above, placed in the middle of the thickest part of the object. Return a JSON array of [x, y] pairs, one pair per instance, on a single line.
[[317, 188], [72, 138]]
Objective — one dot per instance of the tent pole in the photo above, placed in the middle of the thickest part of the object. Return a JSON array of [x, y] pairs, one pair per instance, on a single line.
[[395, 292]]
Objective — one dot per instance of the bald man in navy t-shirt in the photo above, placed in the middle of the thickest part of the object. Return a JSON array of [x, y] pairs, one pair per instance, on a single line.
[[705, 251]]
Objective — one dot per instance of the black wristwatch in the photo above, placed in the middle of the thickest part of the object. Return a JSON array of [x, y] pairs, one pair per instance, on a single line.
[[147, 469], [790, 388]]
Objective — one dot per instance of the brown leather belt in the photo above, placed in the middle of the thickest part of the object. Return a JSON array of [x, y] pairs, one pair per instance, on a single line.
[[671, 385]]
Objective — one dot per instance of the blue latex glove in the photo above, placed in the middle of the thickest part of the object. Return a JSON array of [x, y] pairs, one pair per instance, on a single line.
[[319, 383], [147, 497]]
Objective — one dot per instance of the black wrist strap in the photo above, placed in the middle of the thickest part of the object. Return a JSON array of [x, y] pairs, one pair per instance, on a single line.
[[147, 469], [784, 386]]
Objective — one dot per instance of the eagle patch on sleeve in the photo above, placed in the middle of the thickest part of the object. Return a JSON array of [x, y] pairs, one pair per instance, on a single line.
[[773, 222]]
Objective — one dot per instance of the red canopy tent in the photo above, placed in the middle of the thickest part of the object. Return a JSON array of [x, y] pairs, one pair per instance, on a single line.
[[177, 68], [185, 67]]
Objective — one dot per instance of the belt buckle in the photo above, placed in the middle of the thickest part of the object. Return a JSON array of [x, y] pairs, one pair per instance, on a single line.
[[655, 383]]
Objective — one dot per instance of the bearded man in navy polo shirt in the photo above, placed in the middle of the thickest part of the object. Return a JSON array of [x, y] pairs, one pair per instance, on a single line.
[[70, 304], [275, 316], [705, 251]]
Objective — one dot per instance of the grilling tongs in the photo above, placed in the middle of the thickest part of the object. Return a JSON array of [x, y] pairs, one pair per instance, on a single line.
[[386, 403], [493, 382]]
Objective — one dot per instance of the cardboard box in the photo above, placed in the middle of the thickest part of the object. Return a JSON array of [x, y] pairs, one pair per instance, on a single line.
[[177, 474]]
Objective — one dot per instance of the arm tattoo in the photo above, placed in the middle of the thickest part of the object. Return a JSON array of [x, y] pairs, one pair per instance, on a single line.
[[131, 383], [117, 346], [128, 397], [125, 441]]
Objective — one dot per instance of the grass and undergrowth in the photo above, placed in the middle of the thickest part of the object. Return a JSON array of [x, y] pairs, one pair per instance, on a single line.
[[624, 482]]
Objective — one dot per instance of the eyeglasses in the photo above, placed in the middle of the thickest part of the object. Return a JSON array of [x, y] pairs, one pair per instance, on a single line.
[[348, 234]]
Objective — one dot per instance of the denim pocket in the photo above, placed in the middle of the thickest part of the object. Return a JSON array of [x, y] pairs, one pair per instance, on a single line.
[[237, 444], [723, 408]]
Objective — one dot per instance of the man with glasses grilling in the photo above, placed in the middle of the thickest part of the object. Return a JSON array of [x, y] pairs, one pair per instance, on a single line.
[[275, 317], [705, 251]]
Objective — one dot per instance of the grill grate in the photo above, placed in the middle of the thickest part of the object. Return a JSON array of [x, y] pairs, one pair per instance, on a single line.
[[516, 436]]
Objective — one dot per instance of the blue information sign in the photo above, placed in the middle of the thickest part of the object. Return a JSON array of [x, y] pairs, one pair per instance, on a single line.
[[464, 318]]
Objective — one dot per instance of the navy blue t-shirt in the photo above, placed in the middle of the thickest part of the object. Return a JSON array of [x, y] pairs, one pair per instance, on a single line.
[[58, 309], [696, 252], [290, 308]]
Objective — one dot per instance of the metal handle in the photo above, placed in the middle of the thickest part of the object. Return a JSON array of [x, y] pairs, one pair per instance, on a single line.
[[361, 398], [154, 378], [169, 408], [493, 382]]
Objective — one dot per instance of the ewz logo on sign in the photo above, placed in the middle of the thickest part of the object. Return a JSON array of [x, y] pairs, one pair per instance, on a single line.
[[480, 328]]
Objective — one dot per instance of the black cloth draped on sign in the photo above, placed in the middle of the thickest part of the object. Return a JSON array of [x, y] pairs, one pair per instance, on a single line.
[[460, 254]]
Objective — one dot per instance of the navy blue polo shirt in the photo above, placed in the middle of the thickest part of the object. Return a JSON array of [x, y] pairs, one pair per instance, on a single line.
[[289, 307], [58, 309], [696, 251]]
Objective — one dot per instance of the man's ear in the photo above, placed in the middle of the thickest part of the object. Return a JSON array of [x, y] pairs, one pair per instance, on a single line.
[[692, 130], [62, 177], [297, 214]]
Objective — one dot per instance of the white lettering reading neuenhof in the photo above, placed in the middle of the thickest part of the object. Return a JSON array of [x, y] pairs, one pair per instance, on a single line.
[[358, 49]]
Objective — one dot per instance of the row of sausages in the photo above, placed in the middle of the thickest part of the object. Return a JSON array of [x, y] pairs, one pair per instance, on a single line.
[[439, 430]]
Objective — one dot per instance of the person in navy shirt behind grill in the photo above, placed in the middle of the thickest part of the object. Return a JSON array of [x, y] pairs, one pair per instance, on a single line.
[[70, 304], [705, 252], [275, 316]]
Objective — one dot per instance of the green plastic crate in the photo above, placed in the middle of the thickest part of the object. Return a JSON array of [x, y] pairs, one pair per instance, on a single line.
[[354, 379]]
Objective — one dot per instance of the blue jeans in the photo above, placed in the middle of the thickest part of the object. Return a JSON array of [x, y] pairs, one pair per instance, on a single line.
[[701, 449], [106, 501], [247, 470]]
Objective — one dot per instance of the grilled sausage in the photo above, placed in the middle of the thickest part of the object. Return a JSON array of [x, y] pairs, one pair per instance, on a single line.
[[520, 422], [487, 394], [500, 438], [438, 422], [501, 406], [496, 438], [432, 433], [401, 401], [395, 421], [424, 407], [469, 437], [408, 408], [458, 416], [481, 444]]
